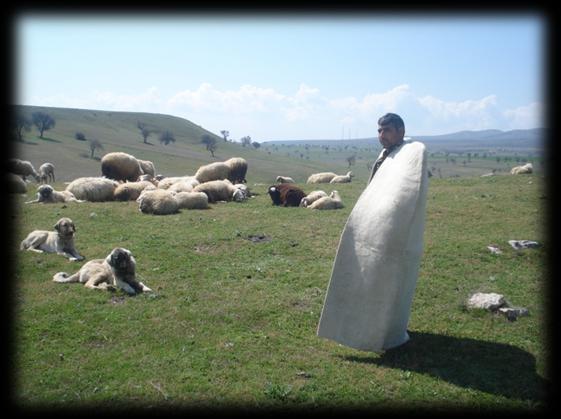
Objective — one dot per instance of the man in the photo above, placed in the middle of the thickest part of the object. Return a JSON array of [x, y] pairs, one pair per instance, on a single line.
[[374, 275]]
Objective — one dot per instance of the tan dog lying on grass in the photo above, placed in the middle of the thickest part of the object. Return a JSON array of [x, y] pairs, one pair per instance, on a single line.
[[116, 271], [60, 241], [47, 195]]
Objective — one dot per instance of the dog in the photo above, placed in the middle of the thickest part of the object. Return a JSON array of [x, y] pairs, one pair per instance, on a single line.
[[60, 241], [47, 195], [116, 271]]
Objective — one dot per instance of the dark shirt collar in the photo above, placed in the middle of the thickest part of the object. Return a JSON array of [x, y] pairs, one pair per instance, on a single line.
[[393, 147]]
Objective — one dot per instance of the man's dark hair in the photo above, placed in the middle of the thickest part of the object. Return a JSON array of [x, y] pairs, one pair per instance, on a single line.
[[392, 119]]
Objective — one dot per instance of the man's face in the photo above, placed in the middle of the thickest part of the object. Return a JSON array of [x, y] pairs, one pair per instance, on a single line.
[[388, 135]]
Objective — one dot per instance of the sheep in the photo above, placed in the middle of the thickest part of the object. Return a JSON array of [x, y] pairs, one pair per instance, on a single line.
[[93, 189], [23, 168], [323, 177], [158, 202], [47, 195], [47, 172], [284, 179], [212, 171], [221, 190], [311, 197], [191, 200], [16, 184], [521, 170], [120, 166], [286, 194], [333, 201], [238, 169], [130, 191], [342, 179], [185, 184], [147, 167]]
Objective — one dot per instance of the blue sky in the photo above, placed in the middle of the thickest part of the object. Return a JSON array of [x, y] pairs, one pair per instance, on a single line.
[[292, 76]]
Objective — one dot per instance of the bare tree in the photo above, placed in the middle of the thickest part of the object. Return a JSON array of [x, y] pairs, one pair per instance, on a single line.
[[351, 160], [20, 123], [210, 143], [245, 140], [42, 121], [144, 131], [225, 134], [94, 145]]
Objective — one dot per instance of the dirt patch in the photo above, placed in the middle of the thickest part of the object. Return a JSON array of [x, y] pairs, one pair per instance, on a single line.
[[258, 238]]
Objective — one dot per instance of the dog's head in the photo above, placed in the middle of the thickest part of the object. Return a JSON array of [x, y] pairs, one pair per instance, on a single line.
[[65, 227], [45, 191], [121, 260]]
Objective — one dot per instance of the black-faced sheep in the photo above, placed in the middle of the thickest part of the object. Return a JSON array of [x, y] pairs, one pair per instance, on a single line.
[[333, 201], [238, 169], [15, 183], [93, 189], [286, 194], [323, 177], [47, 195], [23, 168], [158, 202], [342, 178], [47, 172], [130, 191], [284, 179], [522, 170], [221, 190], [120, 166], [191, 200], [311, 197]]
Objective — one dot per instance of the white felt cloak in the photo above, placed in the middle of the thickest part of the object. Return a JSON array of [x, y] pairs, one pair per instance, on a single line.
[[374, 275]]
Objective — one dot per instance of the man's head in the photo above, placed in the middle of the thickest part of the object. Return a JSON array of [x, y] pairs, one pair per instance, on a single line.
[[391, 129]]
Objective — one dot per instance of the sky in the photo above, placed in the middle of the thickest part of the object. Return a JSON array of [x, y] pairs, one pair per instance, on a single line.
[[291, 77]]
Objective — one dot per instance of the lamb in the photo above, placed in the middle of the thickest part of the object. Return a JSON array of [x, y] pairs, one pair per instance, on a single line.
[[158, 202], [15, 183], [342, 179], [333, 201], [120, 166], [221, 190], [23, 168], [521, 170], [130, 191], [147, 167], [191, 200], [284, 179], [323, 177], [311, 197], [47, 172], [286, 194], [238, 169], [212, 171], [47, 195], [93, 189]]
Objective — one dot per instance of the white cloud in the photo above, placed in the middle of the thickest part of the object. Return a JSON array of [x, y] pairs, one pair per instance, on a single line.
[[530, 116]]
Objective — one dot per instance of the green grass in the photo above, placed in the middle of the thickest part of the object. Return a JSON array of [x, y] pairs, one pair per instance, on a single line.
[[232, 322]]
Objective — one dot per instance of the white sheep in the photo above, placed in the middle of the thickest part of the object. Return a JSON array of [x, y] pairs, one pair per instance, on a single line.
[[147, 167], [191, 200], [312, 197], [47, 195], [521, 170], [93, 189], [323, 177], [130, 191], [221, 190], [167, 182], [120, 166], [284, 179], [23, 168], [184, 185], [16, 184], [158, 202], [238, 169], [342, 179], [212, 171], [333, 201], [47, 172]]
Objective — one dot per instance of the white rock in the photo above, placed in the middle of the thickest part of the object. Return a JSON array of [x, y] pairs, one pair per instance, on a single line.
[[486, 301]]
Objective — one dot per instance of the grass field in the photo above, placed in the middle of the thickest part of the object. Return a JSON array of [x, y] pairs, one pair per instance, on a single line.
[[232, 321]]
